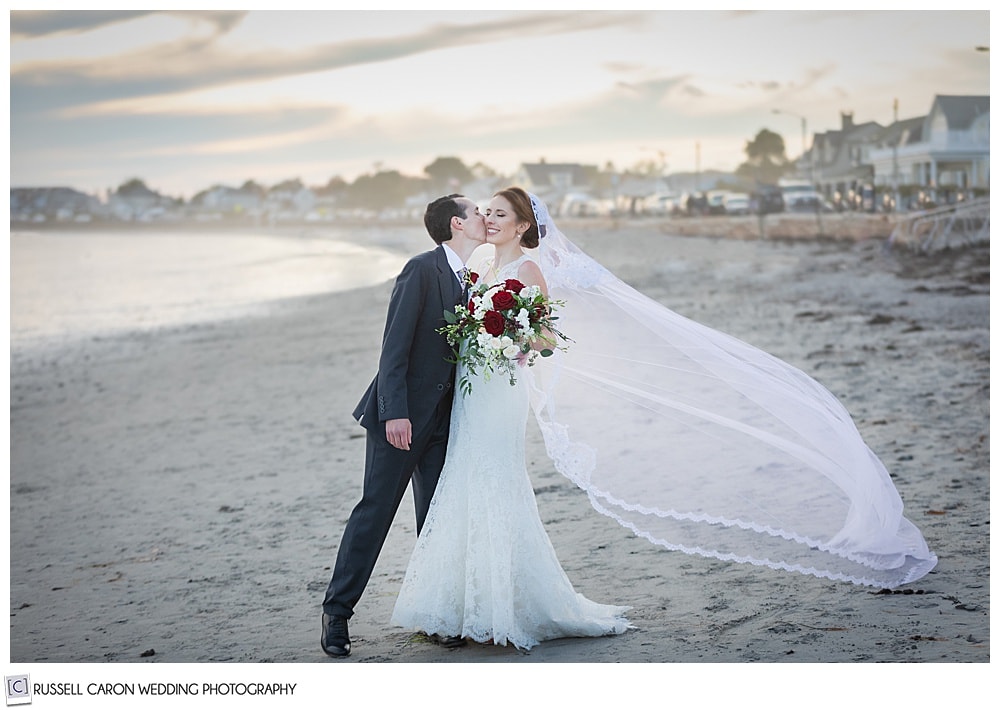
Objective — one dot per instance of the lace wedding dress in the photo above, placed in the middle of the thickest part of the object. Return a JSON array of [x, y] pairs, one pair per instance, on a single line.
[[483, 566]]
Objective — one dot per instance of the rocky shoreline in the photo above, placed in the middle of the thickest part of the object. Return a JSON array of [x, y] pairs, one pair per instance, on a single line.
[[846, 226]]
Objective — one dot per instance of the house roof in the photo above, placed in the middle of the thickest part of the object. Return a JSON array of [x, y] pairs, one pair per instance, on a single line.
[[541, 173], [961, 111], [909, 130], [856, 133]]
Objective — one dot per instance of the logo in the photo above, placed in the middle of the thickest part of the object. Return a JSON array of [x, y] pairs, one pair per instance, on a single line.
[[18, 689]]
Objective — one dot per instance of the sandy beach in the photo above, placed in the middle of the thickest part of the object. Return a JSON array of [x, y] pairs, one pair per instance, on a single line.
[[178, 496]]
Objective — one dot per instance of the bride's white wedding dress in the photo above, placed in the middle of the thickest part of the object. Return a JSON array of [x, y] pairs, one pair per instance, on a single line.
[[483, 567], [694, 440]]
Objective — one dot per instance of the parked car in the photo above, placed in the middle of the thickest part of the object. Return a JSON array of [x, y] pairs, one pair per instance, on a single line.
[[582, 205], [800, 196], [661, 204], [736, 203]]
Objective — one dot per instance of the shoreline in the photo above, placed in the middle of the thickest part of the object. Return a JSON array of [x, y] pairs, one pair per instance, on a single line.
[[185, 490], [853, 226], [70, 285]]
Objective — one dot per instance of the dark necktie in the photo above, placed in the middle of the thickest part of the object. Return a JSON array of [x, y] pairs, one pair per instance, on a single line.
[[463, 277]]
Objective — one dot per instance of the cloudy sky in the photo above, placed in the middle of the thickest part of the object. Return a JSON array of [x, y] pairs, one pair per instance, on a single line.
[[185, 100]]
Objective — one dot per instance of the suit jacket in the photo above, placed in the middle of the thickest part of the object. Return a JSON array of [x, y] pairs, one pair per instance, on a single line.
[[413, 369]]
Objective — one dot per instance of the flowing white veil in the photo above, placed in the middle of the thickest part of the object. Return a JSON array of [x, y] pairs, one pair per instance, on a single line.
[[702, 443]]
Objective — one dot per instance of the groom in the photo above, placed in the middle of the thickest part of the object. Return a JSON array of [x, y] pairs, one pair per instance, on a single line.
[[407, 407]]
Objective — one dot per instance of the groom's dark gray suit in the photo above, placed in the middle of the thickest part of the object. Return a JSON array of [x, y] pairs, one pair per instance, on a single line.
[[415, 381]]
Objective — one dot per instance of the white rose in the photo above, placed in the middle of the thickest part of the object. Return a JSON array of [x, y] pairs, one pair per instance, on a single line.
[[511, 351]]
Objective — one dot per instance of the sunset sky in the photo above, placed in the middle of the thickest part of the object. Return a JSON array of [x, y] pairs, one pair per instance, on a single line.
[[185, 100]]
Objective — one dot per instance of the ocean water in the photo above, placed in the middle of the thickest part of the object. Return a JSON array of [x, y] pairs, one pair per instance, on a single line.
[[66, 285]]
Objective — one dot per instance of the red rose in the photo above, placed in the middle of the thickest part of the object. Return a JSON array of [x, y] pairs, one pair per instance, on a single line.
[[493, 323], [503, 300], [473, 277], [472, 306], [513, 285]]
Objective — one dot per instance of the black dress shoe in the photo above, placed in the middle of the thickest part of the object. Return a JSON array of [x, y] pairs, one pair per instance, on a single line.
[[449, 641], [335, 639]]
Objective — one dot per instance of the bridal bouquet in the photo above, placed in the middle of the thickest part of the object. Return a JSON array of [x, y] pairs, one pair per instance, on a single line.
[[500, 328]]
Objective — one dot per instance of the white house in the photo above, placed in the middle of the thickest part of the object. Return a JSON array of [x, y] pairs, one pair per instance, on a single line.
[[949, 147], [839, 161], [228, 200], [134, 202], [548, 179]]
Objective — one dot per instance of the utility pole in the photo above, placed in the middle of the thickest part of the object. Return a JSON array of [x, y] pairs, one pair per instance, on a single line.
[[697, 165], [895, 160], [812, 167], [812, 159]]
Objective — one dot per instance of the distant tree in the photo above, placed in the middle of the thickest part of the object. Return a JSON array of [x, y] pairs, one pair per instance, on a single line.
[[335, 186], [448, 173], [293, 185], [386, 188], [133, 186], [336, 183], [651, 167], [481, 170], [766, 159], [252, 186], [199, 197]]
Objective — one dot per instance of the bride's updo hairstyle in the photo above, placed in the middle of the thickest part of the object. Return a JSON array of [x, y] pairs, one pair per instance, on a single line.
[[521, 203]]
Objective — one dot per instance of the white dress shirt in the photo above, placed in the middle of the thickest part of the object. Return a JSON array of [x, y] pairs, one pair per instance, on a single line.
[[454, 261]]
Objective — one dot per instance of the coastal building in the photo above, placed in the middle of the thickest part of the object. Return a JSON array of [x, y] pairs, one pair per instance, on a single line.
[[946, 150], [838, 162], [228, 201], [134, 202], [289, 200], [932, 157], [548, 179], [940, 157], [52, 204], [567, 188]]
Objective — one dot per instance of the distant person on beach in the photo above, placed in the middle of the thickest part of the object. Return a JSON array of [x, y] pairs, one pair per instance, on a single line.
[[406, 409], [689, 438]]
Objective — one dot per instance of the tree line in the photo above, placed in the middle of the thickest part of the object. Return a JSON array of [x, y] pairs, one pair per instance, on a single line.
[[765, 163]]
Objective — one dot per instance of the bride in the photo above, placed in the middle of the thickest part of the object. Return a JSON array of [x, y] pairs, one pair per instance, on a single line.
[[483, 567], [691, 439]]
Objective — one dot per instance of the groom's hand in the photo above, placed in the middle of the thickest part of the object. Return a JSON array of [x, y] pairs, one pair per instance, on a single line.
[[399, 433]]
